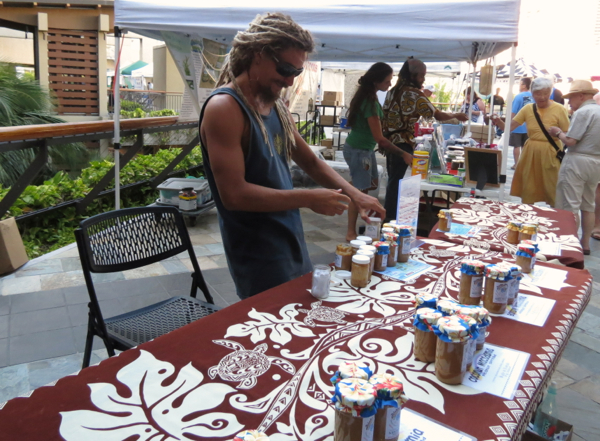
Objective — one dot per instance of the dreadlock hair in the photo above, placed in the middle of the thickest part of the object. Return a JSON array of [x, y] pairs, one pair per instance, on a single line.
[[367, 89], [272, 32]]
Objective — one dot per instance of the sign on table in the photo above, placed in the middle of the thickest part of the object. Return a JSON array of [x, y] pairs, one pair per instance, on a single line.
[[550, 248], [530, 309], [407, 270], [409, 191], [417, 427], [497, 371], [545, 277], [462, 230]]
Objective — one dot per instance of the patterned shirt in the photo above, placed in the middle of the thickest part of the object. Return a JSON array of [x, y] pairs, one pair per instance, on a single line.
[[404, 105]]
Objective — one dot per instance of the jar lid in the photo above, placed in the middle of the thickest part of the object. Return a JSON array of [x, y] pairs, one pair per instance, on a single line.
[[426, 300], [368, 248], [366, 239], [532, 242], [404, 230], [479, 313], [498, 272], [452, 329], [448, 307], [343, 274], [526, 250], [361, 259], [375, 219], [383, 248], [367, 253], [445, 214], [472, 267], [251, 435], [389, 387], [514, 226], [352, 369], [357, 243], [355, 396], [391, 237], [529, 228], [425, 318], [389, 229]]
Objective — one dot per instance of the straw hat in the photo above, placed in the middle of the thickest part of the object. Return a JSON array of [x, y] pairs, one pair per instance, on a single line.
[[581, 86]]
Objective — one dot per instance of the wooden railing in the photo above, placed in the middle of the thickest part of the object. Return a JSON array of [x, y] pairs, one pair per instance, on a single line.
[[45, 135]]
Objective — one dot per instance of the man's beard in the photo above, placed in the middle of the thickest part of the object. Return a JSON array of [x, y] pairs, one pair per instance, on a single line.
[[267, 96]]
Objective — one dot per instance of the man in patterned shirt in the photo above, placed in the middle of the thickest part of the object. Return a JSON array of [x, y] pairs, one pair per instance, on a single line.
[[404, 104]]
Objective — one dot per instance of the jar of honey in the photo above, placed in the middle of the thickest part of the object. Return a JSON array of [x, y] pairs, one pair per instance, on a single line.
[[381, 258], [484, 320], [404, 243], [354, 404], [471, 282], [525, 257], [451, 349], [495, 295], [360, 271], [343, 257], [356, 244], [513, 228], [425, 338], [448, 307], [528, 231], [445, 220], [390, 400]]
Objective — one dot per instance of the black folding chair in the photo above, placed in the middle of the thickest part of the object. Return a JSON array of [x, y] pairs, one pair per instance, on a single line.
[[131, 238]]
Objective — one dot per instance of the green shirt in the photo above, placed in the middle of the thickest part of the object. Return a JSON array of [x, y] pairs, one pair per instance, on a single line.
[[361, 137]]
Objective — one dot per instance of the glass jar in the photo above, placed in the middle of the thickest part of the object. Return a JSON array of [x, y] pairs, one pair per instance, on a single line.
[[321, 279], [448, 307], [404, 243], [354, 412], [445, 220], [390, 399], [381, 258], [188, 199], [366, 239], [471, 282], [343, 257], [525, 257], [356, 244], [528, 231], [371, 257], [514, 284], [360, 271], [450, 355], [484, 320], [495, 296], [472, 342], [513, 232], [425, 338], [426, 300], [373, 229]]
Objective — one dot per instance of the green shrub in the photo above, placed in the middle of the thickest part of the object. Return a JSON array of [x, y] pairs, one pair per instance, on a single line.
[[130, 106]]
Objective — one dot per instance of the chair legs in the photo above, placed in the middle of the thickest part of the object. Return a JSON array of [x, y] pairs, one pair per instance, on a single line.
[[89, 342], [198, 282]]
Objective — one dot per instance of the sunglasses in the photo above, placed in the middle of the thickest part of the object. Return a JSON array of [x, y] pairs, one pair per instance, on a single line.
[[286, 69]]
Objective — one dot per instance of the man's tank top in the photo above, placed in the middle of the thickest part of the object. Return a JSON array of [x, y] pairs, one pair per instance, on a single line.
[[263, 250]]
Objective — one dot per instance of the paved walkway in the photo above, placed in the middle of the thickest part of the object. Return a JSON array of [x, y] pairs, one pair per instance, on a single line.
[[43, 313]]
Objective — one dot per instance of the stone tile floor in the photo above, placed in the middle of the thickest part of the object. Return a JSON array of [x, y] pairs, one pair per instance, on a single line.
[[43, 313]]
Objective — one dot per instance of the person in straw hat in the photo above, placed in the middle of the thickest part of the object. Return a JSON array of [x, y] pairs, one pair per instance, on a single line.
[[580, 172]]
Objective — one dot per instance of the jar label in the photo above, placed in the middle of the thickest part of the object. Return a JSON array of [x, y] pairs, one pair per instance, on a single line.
[[465, 357], [372, 230], [392, 422], [513, 288], [384, 259], [406, 241], [395, 253], [368, 428], [534, 237], [532, 261], [188, 205], [470, 351], [338, 261], [500, 292], [476, 286], [481, 337]]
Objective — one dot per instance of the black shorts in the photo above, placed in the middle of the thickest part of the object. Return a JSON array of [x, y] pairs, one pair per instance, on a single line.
[[517, 139]]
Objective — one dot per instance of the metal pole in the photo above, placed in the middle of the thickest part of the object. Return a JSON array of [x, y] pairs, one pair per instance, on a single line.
[[472, 95], [509, 101], [492, 101], [117, 117]]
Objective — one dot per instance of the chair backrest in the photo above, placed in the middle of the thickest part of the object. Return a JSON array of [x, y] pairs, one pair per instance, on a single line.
[[132, 237]]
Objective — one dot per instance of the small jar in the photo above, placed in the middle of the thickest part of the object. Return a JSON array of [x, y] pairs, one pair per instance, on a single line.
[[450, 355], [514, 283], [356, 244], [528, 231], [484, 320], [471, 282], [445, 220], [371, 257], [390, 400], [381, 258], [472, 342], [525, 257], [404, 242], [360, 271], [495, 296], [343, 257], [351, 369], [188, 199], [426, 300], [388, 229], [251, 435], [513, 232], [366, 239], [392, 240], [354, 404], [425, 338], [373, 229], [448, 307], [321, 280]]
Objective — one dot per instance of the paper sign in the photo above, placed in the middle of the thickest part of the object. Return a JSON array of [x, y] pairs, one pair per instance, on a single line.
[[462, 230], [407, 270], [544, 277], [549, 248], [530, 309], [417, 427], [409, 191], [496, 370]]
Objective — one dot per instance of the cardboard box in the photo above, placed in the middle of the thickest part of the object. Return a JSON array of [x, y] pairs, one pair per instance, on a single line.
[[327, 142], [330, 103], [12, 250], [479, 132], [332, 96], [328, 120], [561, 427]]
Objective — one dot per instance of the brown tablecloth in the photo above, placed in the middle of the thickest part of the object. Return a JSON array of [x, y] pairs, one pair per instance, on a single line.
[[266, 362], [556, 226]]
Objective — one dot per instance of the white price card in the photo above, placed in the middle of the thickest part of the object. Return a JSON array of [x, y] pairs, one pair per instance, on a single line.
[[496, 370], [417, 427], [407, 270], [530, 309], [549, 248], [545, 277]]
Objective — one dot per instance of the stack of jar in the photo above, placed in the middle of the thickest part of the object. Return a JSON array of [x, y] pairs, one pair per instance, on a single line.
[[525, 255], [401, 237], [367, 406]]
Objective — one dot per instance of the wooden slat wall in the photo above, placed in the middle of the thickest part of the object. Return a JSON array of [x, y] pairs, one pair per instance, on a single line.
[[73, 70]]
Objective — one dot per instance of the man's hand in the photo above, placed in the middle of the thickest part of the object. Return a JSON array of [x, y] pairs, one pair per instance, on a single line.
[[554, 131], [328, 202], [408, 158], [461, 117], [367, 206]]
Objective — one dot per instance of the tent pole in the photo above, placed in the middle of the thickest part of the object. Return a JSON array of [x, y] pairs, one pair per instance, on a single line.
[[117, 118], [492, 100], [509, 101], [472, 95]]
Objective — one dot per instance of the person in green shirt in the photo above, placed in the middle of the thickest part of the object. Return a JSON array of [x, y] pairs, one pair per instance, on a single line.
[[364, 118]]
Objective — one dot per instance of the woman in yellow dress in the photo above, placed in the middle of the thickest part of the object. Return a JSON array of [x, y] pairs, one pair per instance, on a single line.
[[537, 170]]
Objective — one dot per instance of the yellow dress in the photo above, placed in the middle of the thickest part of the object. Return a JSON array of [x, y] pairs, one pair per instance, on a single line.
[[537, 170]]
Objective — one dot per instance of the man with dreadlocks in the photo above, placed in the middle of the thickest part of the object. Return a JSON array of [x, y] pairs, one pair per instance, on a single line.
[[404, 104], [248, 141]]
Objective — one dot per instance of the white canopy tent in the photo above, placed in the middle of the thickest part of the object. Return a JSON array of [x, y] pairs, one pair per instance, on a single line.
[[345, 30]]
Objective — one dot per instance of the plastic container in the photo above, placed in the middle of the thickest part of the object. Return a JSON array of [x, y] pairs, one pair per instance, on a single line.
[[360, 271], [188, 199], [373, 230], [356, 244], [366, 239], [321, 279], [471, 282], [420, 163], [425, 338], [371, 255], [169, 190]]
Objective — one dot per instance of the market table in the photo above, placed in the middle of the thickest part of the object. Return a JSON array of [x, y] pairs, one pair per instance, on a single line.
[[556, 226], [265, 363]]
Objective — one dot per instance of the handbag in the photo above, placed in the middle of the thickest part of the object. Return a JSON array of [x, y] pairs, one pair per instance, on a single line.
[[560, 154]]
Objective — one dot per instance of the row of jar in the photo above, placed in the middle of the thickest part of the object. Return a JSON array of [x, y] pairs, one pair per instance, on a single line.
[[367, 406], [448, 334]]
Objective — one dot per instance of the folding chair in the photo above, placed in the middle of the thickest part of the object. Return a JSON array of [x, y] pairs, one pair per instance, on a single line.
[[131, 238]]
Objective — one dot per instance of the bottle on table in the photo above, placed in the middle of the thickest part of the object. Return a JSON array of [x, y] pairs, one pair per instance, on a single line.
[[404, 242], [525, 257], [343, 257], [451, 349], [356, 244], [483, 318], [321, 280], [513, 284], [471, 282], [546, 418], [373, 229], [371, 255], [360, 271], [366, 239], [528, 231], [381, 258]]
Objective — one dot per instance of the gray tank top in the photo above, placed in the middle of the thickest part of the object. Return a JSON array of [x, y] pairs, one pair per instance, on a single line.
[[263, 250]]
